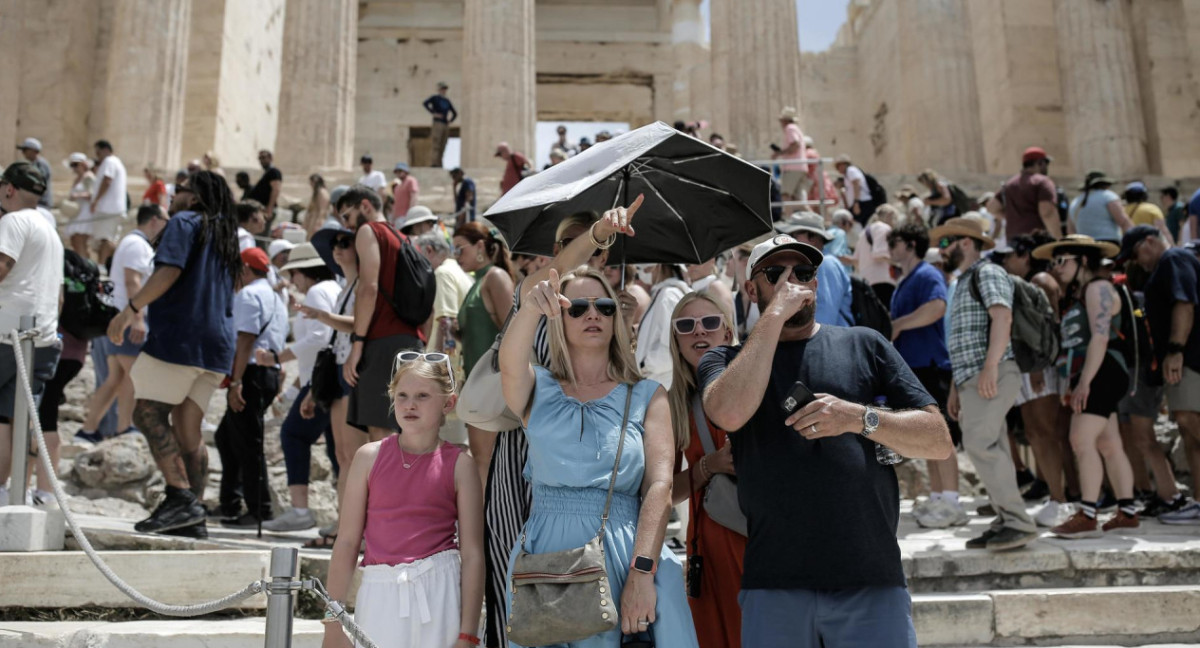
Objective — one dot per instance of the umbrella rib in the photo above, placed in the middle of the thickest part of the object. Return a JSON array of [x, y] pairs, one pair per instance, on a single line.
[[691, 240], [704, 185]]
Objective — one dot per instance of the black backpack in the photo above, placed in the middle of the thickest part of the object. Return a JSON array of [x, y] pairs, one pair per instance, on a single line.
[[878, 193], [414, 284], [1134, 336], [867, 309], [961, 201], [87, 301]]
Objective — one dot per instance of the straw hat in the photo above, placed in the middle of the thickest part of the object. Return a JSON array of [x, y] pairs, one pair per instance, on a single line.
[[1046, 252], [975, 228], [789, 112], [303, 256]]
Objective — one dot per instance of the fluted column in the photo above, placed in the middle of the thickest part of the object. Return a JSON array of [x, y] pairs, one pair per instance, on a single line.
[[1101, 97], [316, 98], [11, 51], [756, 70], [499, 84], [147, 70], [1169, 90], [940, 120]]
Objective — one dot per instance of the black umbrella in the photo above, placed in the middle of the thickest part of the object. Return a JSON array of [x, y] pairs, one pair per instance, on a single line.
[[699, 200]]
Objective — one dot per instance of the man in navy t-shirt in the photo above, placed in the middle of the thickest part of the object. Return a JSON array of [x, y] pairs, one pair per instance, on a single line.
[[822, 556], [919, 333], [464, 197], [189, 349]]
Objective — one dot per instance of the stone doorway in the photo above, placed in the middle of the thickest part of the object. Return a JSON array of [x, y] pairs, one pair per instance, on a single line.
[[420, 144]]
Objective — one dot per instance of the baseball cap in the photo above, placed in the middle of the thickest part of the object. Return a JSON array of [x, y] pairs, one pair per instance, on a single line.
[[30, 143], [256, 259], [25, 176], [1035, 153], [366, 158], [400, 166], [781, 243], [1136, 186], [279, 245], [1135, 235]]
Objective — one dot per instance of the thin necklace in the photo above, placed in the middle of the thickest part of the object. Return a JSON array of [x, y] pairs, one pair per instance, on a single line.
[[404, 460]]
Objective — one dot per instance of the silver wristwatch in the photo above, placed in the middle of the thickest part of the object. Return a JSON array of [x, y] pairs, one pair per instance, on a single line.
[[870, 421]]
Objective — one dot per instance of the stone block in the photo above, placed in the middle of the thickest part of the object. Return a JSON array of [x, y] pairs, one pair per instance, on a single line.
[[173, 577], [182, 633], [953, 619], [25, 528], [1097, 612], [115, 462], [1039, 558]]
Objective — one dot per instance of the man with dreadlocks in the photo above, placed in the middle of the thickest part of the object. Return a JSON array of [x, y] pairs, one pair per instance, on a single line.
[[190, 347]]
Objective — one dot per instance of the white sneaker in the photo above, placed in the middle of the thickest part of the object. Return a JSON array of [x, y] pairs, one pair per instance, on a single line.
[[1053, 514], [291, 521], [921, 506], [942, 514]]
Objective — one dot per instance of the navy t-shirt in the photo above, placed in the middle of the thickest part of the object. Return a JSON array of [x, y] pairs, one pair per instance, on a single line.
[[460, 198], [925, 346], [1174, 280], [822, 513], [192, 323]]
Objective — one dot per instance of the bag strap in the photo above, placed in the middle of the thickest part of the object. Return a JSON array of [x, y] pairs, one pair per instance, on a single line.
[[705, 434], [612, 480], [350, 290]]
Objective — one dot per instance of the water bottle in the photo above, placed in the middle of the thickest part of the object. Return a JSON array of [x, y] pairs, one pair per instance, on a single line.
[[883, 454]]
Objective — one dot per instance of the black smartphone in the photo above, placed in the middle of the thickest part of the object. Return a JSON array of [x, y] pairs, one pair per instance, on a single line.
[[798, 396], [775, 147], [695, 575]]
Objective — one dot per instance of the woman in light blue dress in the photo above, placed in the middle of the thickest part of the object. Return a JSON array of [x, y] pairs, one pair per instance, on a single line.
[[573, 410]]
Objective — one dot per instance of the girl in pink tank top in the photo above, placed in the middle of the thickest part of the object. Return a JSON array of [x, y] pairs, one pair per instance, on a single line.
[[418, 505]]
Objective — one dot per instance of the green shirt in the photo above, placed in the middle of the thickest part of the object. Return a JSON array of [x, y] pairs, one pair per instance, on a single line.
[[475, 324]]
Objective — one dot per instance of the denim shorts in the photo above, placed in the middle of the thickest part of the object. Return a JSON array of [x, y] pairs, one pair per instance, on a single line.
[[125, 348]]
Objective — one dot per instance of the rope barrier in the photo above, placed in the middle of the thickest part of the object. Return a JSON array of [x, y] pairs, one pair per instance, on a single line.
[[335, 609]]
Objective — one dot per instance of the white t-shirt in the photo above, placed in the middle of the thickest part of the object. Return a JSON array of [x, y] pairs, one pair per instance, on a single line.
[[310, 335], [874, 264], [245, 239], [48, 216], [134, 252], [374, 180], [33, 283], [113, 200], [854, 173], [654, 333]]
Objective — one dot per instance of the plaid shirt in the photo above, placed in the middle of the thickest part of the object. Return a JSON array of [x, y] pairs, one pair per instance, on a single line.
[[969, 319]]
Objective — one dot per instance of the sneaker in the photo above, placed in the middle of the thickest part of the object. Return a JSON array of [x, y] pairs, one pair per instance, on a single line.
[[982, 541], [291, 521], [244, 521], [1186, 514], [129, 430], [195, 532], [1053, 514], [1025, 480], [329, 530], [921, 506], [179, 509], [1160, 506], [1037, 493], [1078, 526], [90, 438], [1008, 538], [1107, 503], [987, 510], [1121, 521]]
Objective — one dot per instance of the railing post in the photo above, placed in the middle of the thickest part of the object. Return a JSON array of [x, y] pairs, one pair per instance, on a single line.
[[821, 184], [20, 428], [284, 561]]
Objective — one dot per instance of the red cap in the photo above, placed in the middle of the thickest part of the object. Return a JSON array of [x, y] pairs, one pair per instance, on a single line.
[[256, 259], [1033, 154]]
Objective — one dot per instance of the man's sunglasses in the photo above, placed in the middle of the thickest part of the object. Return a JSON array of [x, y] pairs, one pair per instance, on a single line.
[[432, 358], [564, 242], [579, 307], [686, 325], [802, 273], [343, 242], [947, 241]]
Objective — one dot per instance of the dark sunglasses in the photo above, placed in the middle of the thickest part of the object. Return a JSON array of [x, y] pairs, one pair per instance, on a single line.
[[563, 243], [686, 325], [343, 242], [579, 307], [947, 241], [802, 273]]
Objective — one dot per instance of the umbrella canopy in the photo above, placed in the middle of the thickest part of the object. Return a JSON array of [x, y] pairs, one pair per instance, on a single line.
[[699, 200]]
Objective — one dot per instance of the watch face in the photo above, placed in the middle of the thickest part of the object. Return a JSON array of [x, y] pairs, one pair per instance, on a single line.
[[872, 419]]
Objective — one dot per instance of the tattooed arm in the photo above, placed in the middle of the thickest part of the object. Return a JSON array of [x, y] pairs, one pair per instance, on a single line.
[[1102, 305], [6, 265]]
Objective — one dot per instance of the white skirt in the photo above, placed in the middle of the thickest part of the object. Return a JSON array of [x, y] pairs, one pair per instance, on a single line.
[[415, 605]]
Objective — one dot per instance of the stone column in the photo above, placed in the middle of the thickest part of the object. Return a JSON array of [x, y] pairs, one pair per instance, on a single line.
[[316, 98], [756, 70], [1101, 97], [1169, 91], [499, 83], [147, 70], [11, 51], [940, 117]]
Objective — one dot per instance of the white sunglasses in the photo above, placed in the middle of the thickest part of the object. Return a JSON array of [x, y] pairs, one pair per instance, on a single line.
[[433, 358]]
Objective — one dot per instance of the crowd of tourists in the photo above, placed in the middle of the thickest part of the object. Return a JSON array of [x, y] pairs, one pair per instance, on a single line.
[[770, 389]]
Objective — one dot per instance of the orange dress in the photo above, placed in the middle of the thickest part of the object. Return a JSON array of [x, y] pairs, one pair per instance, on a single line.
[[716, 614]]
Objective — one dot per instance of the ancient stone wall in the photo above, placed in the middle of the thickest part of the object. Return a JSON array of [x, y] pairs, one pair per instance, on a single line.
[[879, 105], [251, 75], [829, 83], [1168, 87]]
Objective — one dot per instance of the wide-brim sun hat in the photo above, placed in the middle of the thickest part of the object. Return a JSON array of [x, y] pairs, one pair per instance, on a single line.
[[418, 214], [303, 256], [322, 242], [76, 158], [964, 226], [811, 222], [1046, 252]]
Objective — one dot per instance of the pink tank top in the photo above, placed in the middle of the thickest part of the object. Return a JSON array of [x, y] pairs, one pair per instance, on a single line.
[[412, 513]]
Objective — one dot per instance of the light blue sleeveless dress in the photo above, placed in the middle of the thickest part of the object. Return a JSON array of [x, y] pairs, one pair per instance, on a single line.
[[572, 447]]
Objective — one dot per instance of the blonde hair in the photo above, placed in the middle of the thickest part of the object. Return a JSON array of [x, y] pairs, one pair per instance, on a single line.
[[584, 219], [622, 367], [212, 159], [438, 372], [683, 378]]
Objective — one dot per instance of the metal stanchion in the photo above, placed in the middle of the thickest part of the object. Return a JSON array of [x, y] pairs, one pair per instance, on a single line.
[[20, 427], [280, 596]]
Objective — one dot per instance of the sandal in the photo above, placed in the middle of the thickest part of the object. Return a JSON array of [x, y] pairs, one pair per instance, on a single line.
[[321, 542]]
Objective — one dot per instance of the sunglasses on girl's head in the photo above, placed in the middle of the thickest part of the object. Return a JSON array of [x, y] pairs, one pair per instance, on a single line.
[[563, 243], [605, 306], [343, 242], [947, 241], [433, 358], [686, 325], [802, 273], [1060, 261]]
